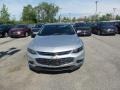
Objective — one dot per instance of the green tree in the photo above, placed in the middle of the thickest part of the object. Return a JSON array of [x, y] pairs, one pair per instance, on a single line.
[[29, 14], [106, 17], [59, 18], [4, 15], [46, 12], [117, 17], [13, 20], [66, 19], [73, 19], [103, 18], [93, 18]]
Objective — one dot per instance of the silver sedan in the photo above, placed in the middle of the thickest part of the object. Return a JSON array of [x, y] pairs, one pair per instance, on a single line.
[[56, 48]]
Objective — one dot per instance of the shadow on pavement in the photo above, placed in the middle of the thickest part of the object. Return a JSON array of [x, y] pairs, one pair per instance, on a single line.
[[54, 72], [9, 52]]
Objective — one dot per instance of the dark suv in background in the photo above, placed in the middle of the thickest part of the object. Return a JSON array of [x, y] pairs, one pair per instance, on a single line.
[[4, 30], [35, 30], [82, 29], [117, 24], [104, 28], [20, 31]]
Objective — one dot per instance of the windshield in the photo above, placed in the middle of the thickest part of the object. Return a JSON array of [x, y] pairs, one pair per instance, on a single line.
[[106, 24], [38, 26], [20, 26], [2, 26], [81, 25], [57, 30], [35, 30]]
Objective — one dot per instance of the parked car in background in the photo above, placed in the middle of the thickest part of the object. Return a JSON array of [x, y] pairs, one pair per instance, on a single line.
[[104, 28], [117, 24], [30, 26], [91, 24], [83, 29], [20, 31], [56, 48], [4, 30], [35, 30]]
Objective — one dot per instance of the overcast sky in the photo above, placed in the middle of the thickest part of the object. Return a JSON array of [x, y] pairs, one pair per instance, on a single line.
[[77, 8]]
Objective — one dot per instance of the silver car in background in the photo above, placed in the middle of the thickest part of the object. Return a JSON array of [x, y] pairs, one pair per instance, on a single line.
[[56, 48]]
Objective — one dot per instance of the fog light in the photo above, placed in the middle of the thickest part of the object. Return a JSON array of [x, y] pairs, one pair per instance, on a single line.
[[79, 61], [31, 62]]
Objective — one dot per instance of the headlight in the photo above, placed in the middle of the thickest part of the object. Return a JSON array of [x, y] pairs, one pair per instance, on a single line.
[[78, 50], [18, 32], [79, 31], [31, 51], [105, 29]]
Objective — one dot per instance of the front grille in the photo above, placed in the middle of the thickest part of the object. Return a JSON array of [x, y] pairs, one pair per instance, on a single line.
[[54, 62], [55, 69], [85, 31], [53, 54], [13, 33]]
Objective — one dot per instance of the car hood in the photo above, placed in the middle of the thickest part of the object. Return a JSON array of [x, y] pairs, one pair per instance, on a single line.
[[56, 43], [35, 29], [15, 29]]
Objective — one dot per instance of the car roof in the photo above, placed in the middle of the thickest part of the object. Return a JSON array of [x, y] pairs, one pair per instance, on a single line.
[[111, 21], [21, 24], [5, 24], [104, 22], [115, 21], [57, 24]]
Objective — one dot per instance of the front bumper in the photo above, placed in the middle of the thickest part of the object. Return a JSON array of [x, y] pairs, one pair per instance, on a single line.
[[108, 32], [17, 35], [78, 60], [84, 33], [67, 68]]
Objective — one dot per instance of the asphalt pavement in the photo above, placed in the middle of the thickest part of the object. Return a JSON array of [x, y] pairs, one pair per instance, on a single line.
[[101, 70]]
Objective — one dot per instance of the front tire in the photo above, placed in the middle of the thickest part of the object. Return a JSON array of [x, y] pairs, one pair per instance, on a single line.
[[98, 32], [26, 34], [1, 35], [6, 35]]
